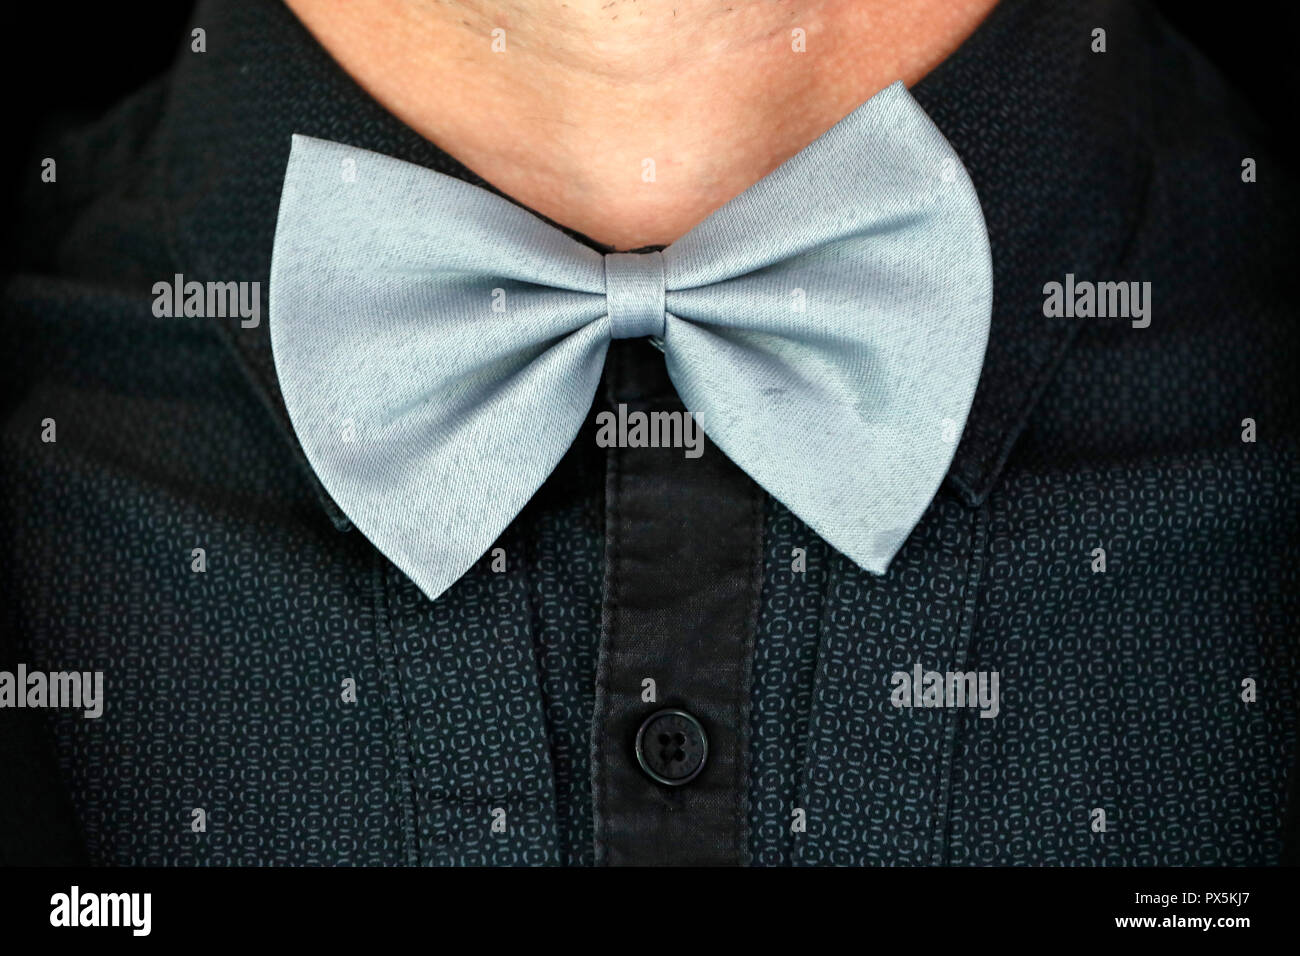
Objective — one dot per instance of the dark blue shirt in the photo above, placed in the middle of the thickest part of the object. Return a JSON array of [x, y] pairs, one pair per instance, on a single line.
[[1106, 542]]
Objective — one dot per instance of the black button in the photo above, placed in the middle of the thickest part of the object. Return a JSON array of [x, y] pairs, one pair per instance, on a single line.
[[671, 747]]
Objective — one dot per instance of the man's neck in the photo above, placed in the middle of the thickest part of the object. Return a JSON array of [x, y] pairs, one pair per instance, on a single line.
[[631, 120]]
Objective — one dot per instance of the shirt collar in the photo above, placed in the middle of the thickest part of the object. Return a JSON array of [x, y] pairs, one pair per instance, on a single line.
[[1038, 119], [1045, 129]]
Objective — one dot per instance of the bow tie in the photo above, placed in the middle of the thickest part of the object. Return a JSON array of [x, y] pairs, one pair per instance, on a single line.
[[439, 348]]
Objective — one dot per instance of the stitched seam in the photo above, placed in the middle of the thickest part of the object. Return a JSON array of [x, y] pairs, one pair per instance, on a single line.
[[746, 650], [834, 563], [532, 601], [399, 727], [614, 589], [961, 651], [609, 630]]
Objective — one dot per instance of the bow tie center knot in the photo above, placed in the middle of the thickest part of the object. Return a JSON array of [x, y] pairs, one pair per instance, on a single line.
[[634, 291]]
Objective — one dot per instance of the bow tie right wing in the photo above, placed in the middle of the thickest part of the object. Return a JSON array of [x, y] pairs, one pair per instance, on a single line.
[[828, 325]]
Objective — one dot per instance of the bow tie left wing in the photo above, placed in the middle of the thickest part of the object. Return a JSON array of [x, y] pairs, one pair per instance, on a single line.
[[438, 349]]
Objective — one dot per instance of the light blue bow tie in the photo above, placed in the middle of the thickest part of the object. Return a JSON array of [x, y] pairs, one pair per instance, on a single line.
[[438, 347]]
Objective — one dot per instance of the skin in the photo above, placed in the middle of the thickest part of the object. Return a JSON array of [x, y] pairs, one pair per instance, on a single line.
[[586, 90]]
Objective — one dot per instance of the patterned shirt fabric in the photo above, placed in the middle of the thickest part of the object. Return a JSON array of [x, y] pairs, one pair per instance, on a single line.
[[1116, 540]]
